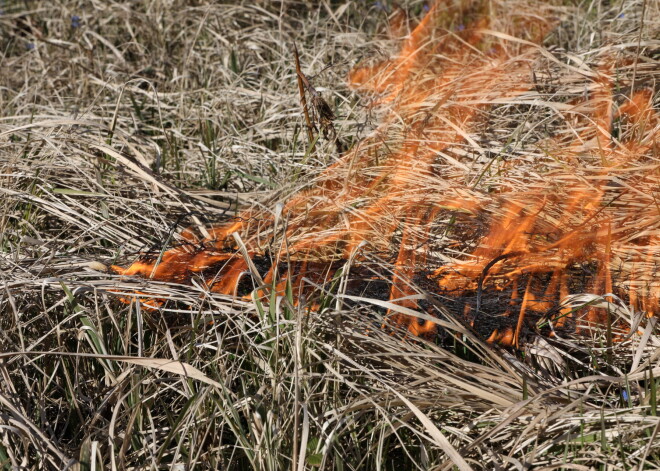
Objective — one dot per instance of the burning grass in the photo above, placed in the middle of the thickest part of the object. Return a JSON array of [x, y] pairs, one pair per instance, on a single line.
[[501, 186]]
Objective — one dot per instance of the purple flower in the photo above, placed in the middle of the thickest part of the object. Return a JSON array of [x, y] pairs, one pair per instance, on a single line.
[[622, 15], [29, 46], [426, 7], [75, 21], [460, 27]]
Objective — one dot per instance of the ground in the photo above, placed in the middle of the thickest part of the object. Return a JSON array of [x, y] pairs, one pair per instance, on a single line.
[[125, 127]]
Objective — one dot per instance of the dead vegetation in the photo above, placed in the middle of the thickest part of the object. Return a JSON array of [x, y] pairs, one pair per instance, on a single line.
[[123, 125]]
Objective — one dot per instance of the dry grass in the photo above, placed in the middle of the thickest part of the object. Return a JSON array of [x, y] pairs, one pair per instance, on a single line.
[[122, 124]]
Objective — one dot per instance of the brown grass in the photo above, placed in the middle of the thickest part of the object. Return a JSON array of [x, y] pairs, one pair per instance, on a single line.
[[122, 128]]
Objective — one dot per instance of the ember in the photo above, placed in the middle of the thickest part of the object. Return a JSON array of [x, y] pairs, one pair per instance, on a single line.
[[581, 213]]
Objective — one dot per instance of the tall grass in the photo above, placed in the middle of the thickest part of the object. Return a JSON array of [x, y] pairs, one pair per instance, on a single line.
[[124, 123]]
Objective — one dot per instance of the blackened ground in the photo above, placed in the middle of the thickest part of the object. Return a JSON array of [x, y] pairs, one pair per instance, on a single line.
[[499, 305]]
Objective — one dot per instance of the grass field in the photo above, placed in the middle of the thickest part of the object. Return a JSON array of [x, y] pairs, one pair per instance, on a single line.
[[126, 125]]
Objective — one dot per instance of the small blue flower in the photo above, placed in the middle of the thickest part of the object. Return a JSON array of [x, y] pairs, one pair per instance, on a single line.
[[460, 27], [29, 46], [75, 21], [380, 6], [426, 7], [624, 395], [622, 15]]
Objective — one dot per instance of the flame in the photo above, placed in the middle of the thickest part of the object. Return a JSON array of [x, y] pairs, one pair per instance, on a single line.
[[596, 207]]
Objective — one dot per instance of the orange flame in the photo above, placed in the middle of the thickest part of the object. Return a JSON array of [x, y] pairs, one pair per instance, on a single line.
[[590, 201]]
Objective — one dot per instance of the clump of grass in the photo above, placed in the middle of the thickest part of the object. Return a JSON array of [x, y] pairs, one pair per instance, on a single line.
[[122, 124]]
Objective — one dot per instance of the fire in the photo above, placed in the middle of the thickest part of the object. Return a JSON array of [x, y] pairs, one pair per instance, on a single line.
[[590, 203]]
